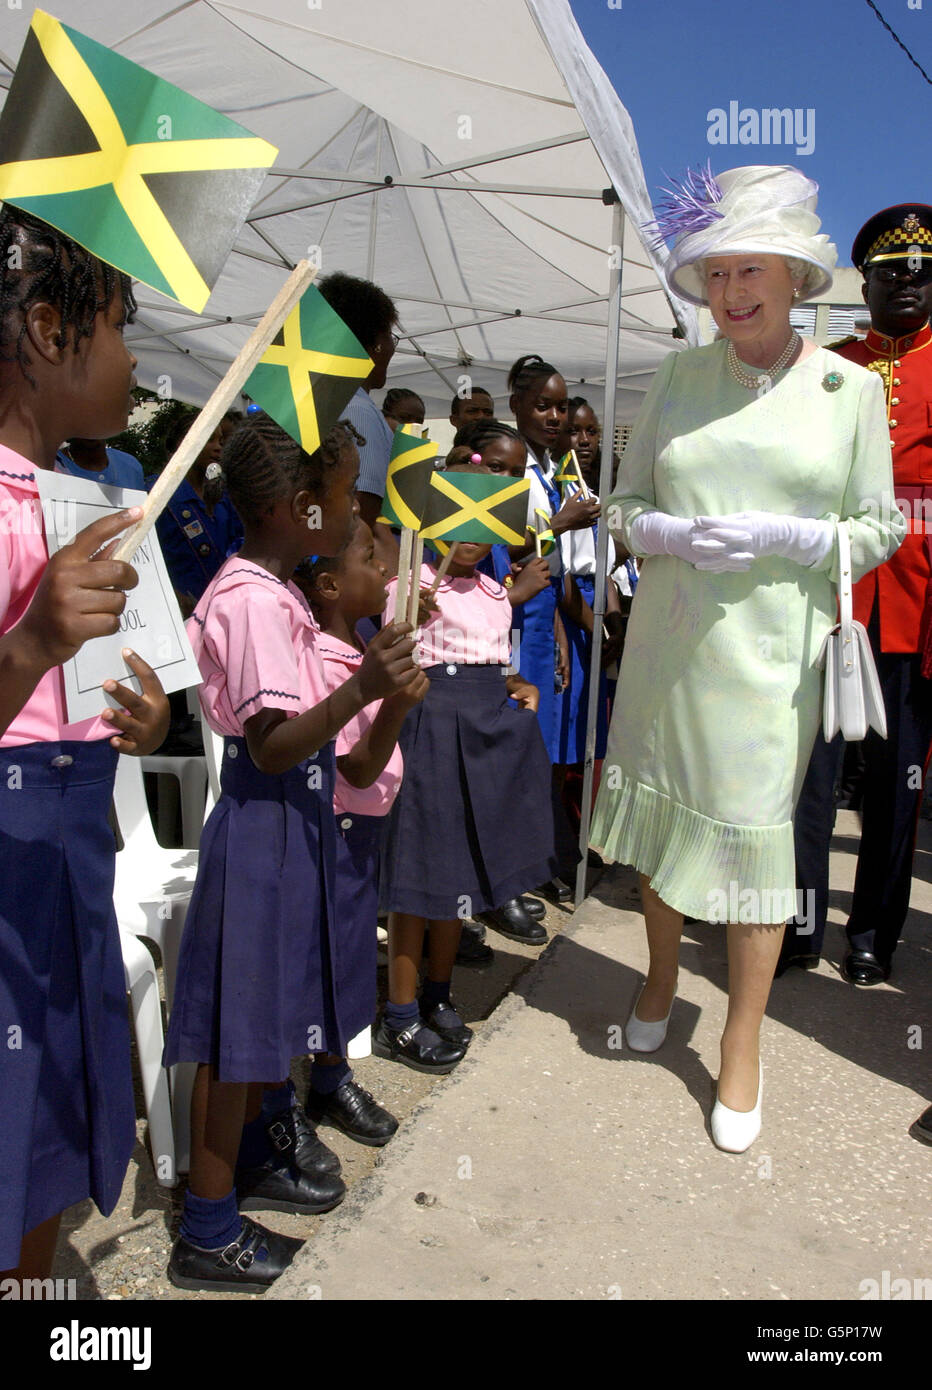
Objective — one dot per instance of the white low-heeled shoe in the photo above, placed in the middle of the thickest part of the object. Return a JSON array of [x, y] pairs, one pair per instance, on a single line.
[[642, 1036], [735, 1130]]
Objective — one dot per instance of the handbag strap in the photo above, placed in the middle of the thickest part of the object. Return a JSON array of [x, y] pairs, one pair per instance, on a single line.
[[844, 594]]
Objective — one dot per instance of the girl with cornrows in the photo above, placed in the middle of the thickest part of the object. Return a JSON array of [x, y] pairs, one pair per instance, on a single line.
[[261, 951]]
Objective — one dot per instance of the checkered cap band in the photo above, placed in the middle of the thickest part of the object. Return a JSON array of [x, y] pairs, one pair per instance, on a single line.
[[897, 243]]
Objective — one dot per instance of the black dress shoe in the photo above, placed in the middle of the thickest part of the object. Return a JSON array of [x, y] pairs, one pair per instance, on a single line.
[[354, 1111], [556, 891], [294, 1141], [472, 950], [417, 1047], [863, 968], [921, 1129], [532, 906], [802, 962], [287, 1188], [447, 1024], [249, 1265], [512, 921]]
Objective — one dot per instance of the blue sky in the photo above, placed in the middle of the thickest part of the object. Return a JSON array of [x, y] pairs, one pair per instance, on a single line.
[[862, 106]]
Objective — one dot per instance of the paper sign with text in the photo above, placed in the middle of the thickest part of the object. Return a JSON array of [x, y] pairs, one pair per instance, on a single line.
[[151, 623]]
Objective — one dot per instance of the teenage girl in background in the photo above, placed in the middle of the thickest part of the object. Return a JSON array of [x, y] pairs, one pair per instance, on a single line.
[[446, 857], [341, 592], [579, 560], [261, 953], [66, 1095], [539, 403]]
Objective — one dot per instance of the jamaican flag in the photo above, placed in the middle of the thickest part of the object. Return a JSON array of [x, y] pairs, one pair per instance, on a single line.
[[479, 507], [312, 369], [407, 483], [565, 472], [542, 530], [132, 168]]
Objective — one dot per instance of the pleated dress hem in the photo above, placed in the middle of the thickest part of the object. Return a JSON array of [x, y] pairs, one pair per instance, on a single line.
[[701, 867]]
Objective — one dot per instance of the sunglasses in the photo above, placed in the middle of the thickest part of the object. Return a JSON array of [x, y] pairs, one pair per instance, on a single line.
[[892, 274]]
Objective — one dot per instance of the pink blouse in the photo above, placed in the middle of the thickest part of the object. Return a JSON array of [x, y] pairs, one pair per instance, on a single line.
[[255, 642], [472, 626], [23, 557], [340, 662]]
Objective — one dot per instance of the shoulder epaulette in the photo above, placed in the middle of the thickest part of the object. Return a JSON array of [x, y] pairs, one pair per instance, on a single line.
[[843, 342]]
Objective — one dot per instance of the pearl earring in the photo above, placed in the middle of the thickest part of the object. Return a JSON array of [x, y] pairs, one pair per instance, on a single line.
[[796, 294]]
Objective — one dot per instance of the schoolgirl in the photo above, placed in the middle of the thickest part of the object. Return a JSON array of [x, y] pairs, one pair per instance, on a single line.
[[342, 592], [446, 857], [261, 954], [579, 549], [66, 1098]]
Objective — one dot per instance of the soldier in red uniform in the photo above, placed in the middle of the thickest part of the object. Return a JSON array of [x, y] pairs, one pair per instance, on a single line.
[[893, 251]]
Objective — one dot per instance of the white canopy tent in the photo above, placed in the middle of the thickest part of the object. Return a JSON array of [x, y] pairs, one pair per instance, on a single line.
[[442, 153], [459, 158]]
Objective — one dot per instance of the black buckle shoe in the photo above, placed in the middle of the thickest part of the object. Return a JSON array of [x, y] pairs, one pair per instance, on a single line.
[[512, 921], [354, 1111], [249, 1265], [417, 1047], [863, 968], [294, 1141], [447, 1024]]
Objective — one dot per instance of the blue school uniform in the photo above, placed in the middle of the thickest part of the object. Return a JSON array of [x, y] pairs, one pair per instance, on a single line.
[[579, 556], [535, 647], [122, 470], [194, 542], [447, 853], [261, 952], [360, 815], [67, 1117]]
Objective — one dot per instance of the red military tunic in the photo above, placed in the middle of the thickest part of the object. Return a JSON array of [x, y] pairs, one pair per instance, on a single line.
[[905, 367]]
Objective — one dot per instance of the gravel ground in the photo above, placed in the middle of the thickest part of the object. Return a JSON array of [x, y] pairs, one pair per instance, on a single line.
[[125, 1255]]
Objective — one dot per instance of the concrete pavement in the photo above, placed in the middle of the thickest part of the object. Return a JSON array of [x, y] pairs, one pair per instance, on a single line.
[[554, 1163]]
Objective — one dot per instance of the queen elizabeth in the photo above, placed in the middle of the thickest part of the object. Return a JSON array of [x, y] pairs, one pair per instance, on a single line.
[[745, 456]]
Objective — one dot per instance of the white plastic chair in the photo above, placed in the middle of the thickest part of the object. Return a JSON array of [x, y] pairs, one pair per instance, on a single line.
[[191, 774], [142, 985], [152, 890]]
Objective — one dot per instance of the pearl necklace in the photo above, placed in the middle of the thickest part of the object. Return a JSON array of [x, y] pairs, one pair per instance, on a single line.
[[752, 382]]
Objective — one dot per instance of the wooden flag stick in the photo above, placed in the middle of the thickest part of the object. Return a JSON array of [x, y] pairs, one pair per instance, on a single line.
[[441, 570], [582, 481], [537, 550], [404, 573], [223, 397], [414, 597]]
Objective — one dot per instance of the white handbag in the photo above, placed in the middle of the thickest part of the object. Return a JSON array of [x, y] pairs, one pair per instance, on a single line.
[[852, 701]]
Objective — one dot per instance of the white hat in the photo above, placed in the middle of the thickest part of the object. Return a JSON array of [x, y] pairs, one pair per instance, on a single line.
[[764, 209]]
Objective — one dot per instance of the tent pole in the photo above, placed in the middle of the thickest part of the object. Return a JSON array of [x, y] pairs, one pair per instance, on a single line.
[[605, 487]]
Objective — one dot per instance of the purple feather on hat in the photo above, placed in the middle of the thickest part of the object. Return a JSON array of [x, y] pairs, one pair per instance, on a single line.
[[689, 206]]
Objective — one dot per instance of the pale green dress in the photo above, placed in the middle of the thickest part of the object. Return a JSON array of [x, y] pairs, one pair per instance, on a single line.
[[719, 697]]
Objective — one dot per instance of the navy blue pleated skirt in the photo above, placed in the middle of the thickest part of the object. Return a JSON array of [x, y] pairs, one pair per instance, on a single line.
[[260, 952], [359, 844], [472, 825], [67, 1120], [575, 703]]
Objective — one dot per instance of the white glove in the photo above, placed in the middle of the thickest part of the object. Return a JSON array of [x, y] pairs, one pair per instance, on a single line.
[[802, 539], [718, 547]]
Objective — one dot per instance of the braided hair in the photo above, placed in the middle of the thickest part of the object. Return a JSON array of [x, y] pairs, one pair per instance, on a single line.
[[398, 394], [478, 433], [260, 464], [528, 370], [38, 264]]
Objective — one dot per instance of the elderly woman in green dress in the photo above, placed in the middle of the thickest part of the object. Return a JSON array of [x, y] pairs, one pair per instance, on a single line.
[[745, 455]]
